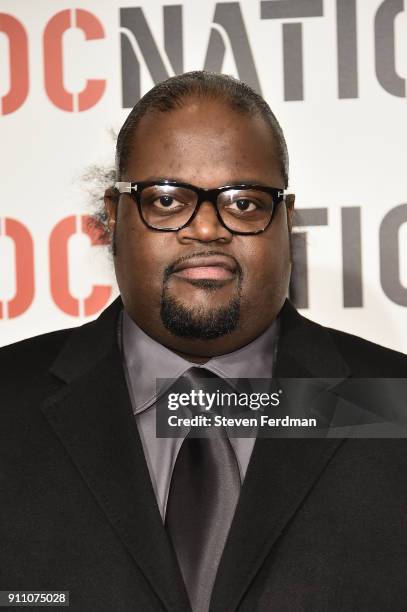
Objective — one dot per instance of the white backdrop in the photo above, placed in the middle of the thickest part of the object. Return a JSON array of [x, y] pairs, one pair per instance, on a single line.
[[334, 73]]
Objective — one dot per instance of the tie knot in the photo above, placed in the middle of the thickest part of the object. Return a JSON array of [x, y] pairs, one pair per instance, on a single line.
[[197, 374], [201, 384], [200, 372]]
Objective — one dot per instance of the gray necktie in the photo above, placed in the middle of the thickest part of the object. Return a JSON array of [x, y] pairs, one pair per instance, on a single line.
[[204, 490]]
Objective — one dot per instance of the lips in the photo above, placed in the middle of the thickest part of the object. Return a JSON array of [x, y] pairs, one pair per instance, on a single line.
[[215, 267]]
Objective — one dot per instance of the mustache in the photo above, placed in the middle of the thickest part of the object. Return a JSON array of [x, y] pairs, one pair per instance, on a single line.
[[171, 267]]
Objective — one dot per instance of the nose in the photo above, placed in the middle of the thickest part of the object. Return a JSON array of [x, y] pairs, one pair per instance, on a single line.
[[205, 227]]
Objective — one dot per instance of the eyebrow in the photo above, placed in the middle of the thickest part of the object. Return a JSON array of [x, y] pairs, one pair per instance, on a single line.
[[238, 181]]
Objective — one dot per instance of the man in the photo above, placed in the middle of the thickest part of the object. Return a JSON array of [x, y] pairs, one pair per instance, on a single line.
[[93, 502]]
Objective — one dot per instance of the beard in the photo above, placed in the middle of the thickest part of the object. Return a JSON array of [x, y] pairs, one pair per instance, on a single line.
[[200, 323]]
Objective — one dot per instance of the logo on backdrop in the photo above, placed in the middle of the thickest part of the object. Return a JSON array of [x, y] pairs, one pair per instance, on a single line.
[[23, 262], [140, 46]]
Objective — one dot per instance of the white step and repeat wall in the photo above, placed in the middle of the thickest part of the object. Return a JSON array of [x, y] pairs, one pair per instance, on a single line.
[[334, 72]]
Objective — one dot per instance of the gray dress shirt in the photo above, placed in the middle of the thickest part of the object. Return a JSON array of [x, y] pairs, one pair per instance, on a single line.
[[145, 360]]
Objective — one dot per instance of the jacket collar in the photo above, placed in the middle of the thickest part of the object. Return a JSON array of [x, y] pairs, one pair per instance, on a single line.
[[306, 349], [88, 344]]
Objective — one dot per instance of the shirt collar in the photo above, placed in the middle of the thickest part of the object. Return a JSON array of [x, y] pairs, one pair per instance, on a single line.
[[145, 360]]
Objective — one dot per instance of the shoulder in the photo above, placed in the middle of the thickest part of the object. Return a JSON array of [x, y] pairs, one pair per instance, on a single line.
[[33, 367], [366, 358], [40, 352], [326, 349], [37, 352], [24, 366]]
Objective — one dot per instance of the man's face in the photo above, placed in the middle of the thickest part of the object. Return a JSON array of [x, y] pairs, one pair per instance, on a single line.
[[238, 283]]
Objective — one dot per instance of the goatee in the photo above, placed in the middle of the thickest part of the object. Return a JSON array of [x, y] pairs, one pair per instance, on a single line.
[[199, 323]]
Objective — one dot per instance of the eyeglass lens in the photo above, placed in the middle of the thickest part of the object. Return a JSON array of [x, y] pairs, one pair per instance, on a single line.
[[169, 207]]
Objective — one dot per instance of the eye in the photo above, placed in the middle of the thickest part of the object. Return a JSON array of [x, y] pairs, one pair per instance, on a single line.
[[167, 202], [243, 205]]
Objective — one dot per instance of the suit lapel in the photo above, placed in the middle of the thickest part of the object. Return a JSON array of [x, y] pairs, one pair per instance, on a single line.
[[281, 472], [92, 417]]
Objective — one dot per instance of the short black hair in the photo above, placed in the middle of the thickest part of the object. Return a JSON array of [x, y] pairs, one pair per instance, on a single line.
[[172, 93]]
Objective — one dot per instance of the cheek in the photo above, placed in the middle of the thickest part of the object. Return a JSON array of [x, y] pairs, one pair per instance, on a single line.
[[142, 254], [266, 263]]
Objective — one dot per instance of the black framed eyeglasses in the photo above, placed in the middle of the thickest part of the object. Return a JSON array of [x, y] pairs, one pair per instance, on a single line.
[[169, 206]]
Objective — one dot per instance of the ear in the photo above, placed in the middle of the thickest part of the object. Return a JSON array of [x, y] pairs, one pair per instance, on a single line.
[[289, 204], [111, 199]]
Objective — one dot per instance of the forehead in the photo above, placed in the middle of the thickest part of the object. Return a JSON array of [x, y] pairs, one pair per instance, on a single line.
[[204, 142]]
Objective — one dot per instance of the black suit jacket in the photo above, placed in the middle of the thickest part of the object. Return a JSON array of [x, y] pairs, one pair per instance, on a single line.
[[321, 524]]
